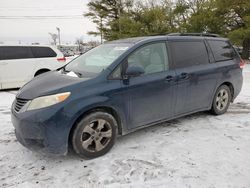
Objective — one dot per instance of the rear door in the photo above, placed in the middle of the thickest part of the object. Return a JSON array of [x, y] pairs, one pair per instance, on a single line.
[[16, 66], [196, 75]]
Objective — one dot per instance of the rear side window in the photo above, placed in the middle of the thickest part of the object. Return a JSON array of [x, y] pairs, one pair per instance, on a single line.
[[15, 52], [189, 53], [43, 52], [222, 50]]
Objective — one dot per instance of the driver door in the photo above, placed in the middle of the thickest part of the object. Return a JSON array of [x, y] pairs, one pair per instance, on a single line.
[[151, 95]]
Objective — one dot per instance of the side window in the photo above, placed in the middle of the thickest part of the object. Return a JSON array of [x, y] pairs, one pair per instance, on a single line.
[[15, 52], [117, 74], [43, 52], [189, 53], [222, 50], [1, 53], [152, 58]]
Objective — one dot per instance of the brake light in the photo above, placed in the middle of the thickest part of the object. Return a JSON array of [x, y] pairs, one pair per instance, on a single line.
[[62, 59], [242, 63]]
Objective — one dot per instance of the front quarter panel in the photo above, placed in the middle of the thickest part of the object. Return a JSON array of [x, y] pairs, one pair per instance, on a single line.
[[106, 94]]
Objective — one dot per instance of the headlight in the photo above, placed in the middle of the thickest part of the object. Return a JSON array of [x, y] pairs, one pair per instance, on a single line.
[[45, 101]]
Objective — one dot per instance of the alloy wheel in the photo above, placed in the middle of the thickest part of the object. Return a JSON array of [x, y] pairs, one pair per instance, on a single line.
[[222, 99], [96, 135]]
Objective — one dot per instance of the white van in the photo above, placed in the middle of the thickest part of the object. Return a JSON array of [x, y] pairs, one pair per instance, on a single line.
[[19, 64]]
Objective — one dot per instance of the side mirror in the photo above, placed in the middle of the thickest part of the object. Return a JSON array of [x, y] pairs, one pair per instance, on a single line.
[[134, 71]]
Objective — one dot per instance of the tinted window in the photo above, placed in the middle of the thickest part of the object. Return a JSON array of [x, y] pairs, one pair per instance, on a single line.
[[15, 52], [188, 53], [40, 52], [222, 50], [152, 58]]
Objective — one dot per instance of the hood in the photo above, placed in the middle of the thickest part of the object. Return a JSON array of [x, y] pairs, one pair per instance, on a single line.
[[47, 84]]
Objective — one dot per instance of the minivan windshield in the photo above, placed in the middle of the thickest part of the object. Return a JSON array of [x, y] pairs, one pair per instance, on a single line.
[[96, 60]]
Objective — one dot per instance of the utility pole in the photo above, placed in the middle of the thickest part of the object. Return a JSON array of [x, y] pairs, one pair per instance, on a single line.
[[119, 14], [101, 30], [59, 35]]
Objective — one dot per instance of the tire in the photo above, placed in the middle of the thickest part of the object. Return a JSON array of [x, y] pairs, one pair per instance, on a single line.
[[94, 135], [221, 100]]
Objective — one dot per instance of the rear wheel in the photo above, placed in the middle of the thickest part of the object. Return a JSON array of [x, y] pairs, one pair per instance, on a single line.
[[221, 100], [94, 135]]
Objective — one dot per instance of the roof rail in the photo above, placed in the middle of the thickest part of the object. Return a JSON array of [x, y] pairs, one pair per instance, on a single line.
[[194, 34]]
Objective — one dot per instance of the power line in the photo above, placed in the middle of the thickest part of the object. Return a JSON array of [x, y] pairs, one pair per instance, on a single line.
[[39, 7], [43, 17], [39, 18]]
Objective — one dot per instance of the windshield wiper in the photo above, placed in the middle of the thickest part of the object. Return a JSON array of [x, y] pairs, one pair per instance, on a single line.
[[78, 74], [64, 71]]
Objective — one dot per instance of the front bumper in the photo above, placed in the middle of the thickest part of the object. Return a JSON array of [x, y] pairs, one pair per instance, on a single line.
[[45, 130]]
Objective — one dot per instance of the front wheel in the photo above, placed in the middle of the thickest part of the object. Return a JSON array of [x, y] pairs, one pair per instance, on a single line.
[[94, 135], [221, 100]]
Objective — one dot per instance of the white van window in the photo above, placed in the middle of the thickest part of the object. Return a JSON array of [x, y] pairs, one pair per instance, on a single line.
[[15, 52], [43, 52]]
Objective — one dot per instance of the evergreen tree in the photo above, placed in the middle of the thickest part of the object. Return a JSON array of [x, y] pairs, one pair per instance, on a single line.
[[129, 18]]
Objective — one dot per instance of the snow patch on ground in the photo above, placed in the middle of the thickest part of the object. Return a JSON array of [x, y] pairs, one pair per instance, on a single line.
[[198, 150]]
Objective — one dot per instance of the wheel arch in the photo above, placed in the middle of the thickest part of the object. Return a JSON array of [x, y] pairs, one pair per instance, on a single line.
[[106, 109], [231, 87], [40, 71]]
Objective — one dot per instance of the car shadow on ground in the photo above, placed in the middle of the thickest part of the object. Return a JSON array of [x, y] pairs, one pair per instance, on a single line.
[[166, 128]]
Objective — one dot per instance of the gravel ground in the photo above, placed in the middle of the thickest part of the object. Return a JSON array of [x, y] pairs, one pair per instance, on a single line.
[[199, 150]]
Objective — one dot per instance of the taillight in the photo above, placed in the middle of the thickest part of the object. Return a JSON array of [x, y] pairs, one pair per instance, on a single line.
[[61, 59], [242, 63]]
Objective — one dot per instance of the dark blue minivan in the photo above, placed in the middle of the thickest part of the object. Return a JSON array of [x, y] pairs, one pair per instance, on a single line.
[[122, 86]]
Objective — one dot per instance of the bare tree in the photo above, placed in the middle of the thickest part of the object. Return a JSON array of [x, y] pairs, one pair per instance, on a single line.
[[79, 42], [54, 37], [93, 43]]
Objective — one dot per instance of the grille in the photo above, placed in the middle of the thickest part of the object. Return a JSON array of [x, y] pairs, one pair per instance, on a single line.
[[19, 103]]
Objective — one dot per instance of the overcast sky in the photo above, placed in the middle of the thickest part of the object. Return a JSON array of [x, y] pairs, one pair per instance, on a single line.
[[30, 21]]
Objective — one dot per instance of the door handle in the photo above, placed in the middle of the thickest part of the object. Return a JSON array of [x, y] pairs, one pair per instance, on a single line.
[[169, 78], [184, 76]]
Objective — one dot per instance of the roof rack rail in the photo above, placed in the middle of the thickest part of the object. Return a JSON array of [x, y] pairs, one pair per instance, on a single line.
[[194, 34]]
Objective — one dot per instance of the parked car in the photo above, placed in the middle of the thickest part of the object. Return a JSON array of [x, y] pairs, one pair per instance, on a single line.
[[19, 64], [122, 86]]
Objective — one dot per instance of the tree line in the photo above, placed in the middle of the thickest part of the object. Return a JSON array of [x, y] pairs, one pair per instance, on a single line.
[[117, 19]]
